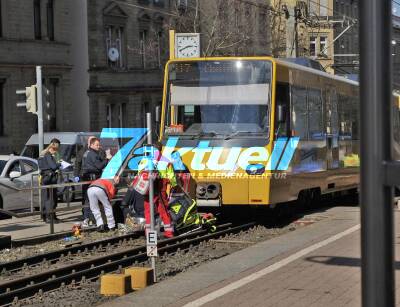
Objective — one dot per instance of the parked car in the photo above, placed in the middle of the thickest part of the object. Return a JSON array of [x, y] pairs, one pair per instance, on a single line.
[[17, 172], [71, 143]]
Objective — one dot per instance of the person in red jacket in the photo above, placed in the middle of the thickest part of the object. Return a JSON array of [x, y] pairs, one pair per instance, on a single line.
[[102, 190]]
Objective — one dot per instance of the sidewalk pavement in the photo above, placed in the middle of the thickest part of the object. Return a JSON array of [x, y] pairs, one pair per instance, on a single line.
[[31, 226], [317, 265]]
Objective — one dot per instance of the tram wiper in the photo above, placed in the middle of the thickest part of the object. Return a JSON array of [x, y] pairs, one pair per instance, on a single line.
[[229, 136], [202, 134]]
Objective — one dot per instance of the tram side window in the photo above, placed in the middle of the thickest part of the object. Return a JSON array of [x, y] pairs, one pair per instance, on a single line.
[[299, 112], [345, 108], [315, 123], [355, 118], [332, 119], [282, 98]]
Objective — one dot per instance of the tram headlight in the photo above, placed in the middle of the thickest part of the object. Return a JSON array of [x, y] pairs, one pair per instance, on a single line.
[[201, 191], [208, 190]]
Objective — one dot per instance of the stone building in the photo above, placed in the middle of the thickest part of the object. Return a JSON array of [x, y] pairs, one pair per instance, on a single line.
[[303, 29], [34, 32], [127, 47], [347, 45]]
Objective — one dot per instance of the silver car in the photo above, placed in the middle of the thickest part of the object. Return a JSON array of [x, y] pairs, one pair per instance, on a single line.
[[16, 173]]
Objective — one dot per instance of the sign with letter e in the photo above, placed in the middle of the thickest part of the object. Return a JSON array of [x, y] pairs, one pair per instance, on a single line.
[[151, 243]]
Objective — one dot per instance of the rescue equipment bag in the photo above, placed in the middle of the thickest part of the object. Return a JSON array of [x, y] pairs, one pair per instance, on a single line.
[[141, 183], [183, 212]]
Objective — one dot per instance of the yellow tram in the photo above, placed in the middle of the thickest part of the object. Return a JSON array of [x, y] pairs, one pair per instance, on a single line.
[[260, 131]]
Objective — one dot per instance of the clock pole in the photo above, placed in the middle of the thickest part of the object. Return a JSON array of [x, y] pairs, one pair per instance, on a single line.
[[171, 44]]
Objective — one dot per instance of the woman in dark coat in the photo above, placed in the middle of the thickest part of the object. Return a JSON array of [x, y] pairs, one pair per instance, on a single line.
[[49, 174]]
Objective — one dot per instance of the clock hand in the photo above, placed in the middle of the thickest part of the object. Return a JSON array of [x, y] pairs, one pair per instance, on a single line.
[[190, 46]]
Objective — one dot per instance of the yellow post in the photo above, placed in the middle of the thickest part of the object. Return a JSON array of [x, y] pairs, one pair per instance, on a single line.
[[171, 44], [171, 57]]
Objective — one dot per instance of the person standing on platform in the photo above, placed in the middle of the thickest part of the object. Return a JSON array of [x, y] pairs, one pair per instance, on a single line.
[[49, 169], [78, 176], [93, 163]]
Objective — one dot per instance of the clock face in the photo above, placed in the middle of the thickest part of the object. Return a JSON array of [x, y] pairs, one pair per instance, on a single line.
[[188, 46], [113, 54]]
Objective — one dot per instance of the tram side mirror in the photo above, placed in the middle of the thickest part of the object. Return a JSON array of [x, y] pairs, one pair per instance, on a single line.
[[281, 113], [158, 114]]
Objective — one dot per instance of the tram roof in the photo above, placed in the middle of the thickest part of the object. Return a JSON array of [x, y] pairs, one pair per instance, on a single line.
[[276, 60], [314, 71]]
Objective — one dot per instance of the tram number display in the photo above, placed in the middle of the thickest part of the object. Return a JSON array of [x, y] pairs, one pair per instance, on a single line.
[[151, 243]]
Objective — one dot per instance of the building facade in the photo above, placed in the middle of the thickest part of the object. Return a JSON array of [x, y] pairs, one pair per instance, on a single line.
[[127, 48], [347, 44], [303, 29], [33, 33]]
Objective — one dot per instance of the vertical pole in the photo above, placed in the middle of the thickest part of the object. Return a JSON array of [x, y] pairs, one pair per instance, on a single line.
[[376, 198], [39, 91], [151, 188], [40, 195], [51, 211], [32, 193], [172, 57], [171, 44]]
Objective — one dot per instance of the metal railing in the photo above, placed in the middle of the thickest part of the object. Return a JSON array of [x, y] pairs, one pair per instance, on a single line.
[[51, 212]]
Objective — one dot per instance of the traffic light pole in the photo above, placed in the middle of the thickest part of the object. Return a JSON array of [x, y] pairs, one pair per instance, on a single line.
[[39, 91]]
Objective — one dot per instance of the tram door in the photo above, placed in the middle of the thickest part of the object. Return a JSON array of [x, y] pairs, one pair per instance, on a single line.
[[332, 129]]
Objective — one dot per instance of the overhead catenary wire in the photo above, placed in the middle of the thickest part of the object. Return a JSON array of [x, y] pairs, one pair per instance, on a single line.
[[165, 12], [249, 2], [334, 11]]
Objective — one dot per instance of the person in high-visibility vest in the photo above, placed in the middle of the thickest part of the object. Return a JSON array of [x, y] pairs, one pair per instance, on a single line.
[[164, 180]]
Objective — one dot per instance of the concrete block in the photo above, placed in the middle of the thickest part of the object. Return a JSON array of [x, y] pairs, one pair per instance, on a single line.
[[115, 284], [140, 277]]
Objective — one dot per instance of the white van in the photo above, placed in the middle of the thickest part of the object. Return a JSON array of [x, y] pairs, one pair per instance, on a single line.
[[70, 144]]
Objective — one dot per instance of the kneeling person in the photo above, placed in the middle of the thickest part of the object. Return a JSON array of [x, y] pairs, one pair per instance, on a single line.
[[102, 190]]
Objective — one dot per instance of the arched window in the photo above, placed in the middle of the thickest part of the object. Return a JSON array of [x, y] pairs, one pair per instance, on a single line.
[[114, 31]]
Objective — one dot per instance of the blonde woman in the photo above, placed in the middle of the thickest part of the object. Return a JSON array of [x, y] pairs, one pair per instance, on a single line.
[[49, 175]]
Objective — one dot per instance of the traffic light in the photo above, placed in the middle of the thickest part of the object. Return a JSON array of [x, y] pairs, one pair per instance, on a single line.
[[31, 105], [46, 104], [30, 99]]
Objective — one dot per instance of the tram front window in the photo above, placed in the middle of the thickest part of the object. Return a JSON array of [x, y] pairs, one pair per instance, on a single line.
[[218, 98]]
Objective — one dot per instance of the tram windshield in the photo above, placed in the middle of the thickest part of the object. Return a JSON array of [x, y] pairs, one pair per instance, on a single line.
[[218, 98]]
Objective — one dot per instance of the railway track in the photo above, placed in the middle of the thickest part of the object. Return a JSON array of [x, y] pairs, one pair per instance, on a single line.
[[91, 269], [54, 256]]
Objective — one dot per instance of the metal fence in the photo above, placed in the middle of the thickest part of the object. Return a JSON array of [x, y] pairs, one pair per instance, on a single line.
[[32, 189]]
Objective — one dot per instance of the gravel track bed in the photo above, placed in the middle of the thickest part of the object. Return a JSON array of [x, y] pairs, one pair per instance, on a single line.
[[68, 260], [7, 255], [88, 293]]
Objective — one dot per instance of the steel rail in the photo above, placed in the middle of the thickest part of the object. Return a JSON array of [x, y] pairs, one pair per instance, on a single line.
[[47, 281], [55, 255]]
